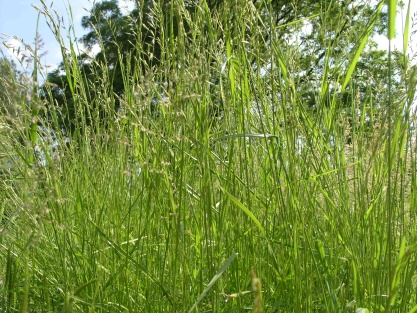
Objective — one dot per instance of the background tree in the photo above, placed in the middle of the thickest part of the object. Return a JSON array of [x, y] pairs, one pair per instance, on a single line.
[[304, 30], [14, 87]]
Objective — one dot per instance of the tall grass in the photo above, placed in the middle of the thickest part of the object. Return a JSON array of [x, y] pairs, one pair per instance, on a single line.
[[166, 208]]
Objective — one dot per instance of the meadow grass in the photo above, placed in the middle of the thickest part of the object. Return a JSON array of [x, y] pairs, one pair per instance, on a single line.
[[271, 206]]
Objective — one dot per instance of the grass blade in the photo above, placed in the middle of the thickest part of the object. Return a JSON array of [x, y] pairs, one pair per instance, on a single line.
[[362, 44], [214, 279], [407, 28], [246, 210], [392, 10]]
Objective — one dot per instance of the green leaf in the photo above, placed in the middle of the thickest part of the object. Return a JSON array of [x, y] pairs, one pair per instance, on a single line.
[[407, 28], [362, 44], [248, 136], [392, 10], [246, 210], [214, 279], [413, 310]]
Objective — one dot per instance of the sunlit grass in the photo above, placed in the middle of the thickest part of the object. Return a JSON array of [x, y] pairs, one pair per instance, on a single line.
[[272, 206]]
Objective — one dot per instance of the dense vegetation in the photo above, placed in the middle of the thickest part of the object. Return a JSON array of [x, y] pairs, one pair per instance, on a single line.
[[214, 156]]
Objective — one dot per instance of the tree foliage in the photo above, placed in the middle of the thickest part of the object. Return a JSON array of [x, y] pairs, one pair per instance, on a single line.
[[14, 86], [307, 31]]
